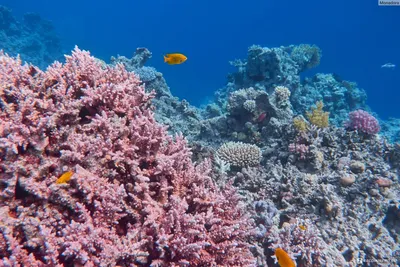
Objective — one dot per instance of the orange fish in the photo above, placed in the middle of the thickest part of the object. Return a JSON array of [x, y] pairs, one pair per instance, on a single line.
[[302, 227], [65, 177], [176, 58], [283, 258]]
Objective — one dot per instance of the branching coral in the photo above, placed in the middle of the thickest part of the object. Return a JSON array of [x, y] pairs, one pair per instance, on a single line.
[[318, 117], [135, 198], [301, 240]]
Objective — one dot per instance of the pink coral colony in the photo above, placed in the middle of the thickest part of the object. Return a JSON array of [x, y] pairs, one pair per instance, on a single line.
[[135, 198]]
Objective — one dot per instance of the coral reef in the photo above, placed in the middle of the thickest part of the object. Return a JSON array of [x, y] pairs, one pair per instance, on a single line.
[[267, 68], [33, 38], [134, 199], [306, 56], [178, 115], [345, 186], [339, 96], [326, 194], [391, 129]]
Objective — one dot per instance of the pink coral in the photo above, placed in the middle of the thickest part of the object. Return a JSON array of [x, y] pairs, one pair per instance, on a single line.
[[300, 149], [362, 121], [135, 199]]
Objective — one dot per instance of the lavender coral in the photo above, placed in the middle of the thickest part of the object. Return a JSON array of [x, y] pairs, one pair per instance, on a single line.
[[301, 240], [362, 121], [134, 199]]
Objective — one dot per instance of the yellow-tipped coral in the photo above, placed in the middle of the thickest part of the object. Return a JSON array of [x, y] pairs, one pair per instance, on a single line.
[[318, 117], [300, 124]]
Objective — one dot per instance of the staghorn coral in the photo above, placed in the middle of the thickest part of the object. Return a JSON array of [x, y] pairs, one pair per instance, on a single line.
[[239, 154], [135, 198]]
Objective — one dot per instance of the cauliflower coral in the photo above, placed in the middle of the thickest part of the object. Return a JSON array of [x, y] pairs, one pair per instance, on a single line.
[[362, 121]]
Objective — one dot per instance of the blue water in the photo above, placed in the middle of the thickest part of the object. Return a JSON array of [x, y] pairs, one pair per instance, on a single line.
[[356, 37]]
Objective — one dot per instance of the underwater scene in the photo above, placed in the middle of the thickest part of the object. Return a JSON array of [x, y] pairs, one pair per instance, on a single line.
[[180, 133]]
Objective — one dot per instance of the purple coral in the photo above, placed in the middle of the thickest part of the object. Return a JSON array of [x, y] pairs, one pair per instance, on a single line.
[[362, 121], [135, 199], [264, 214], [300, 149]]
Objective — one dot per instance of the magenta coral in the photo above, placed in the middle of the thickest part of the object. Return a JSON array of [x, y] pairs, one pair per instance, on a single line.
[[135, 198], [362, 121]]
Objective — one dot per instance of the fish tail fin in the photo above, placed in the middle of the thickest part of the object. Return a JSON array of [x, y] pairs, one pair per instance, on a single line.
[[165, 59]]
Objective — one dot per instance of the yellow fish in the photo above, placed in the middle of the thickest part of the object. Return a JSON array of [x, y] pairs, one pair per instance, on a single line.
[[176, 58], [302, 227], [283, 258], [65, 177]]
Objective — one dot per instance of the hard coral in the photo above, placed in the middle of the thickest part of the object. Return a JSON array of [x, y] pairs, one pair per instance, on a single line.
[[282, 93], [135, 198], [362, 121], [302, 241], [239, 154], [306, 56]]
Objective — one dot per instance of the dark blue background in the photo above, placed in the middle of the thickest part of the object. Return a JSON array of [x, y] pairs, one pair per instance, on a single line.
[[356, 37]]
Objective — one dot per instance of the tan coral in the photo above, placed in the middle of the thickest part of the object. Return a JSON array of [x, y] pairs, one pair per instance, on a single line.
[[347, 180], [318, 117]]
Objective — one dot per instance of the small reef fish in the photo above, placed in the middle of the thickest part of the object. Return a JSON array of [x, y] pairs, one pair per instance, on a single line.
[[283, 258], [302, 227], [388, 66], [65, 177], [261, 117], [176, 58]]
